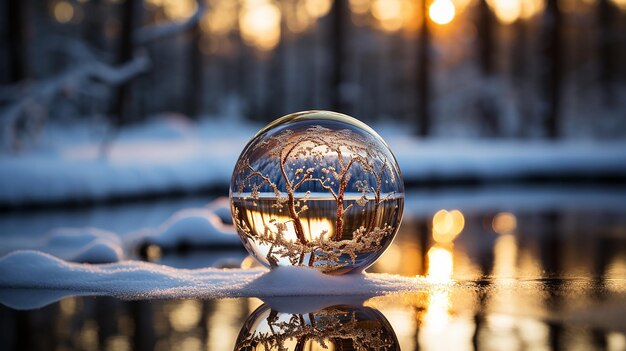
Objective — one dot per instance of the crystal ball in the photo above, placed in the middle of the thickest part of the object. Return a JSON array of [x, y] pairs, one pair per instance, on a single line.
[[340, 327], [318, 189]]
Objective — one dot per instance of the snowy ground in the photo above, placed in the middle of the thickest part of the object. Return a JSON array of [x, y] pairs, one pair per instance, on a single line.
[[133, 279], [173, 155], [195, 227]]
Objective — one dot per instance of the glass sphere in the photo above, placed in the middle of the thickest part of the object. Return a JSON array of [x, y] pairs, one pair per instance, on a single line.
[[340, 327], [318, 189]]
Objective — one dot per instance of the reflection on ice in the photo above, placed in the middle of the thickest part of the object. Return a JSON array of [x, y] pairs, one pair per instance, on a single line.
[[337, 327]]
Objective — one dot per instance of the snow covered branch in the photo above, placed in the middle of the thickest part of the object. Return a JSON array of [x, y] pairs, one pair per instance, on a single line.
[[43, 92]]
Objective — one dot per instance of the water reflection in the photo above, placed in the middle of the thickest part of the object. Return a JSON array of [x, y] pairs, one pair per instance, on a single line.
[[339, 327], [499, 278]]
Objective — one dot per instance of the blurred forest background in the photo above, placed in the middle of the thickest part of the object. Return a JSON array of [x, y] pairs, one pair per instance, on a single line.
[[447, 68]]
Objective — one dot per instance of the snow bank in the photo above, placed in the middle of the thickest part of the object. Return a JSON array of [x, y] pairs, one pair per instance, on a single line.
[[73, 244], [172, 155], [196, 227], [134, 279], [162, 156], [440, 159]]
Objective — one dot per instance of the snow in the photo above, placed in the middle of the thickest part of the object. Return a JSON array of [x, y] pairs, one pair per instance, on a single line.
[[171, 154], [197, 227], [74, 244], [135, 279]]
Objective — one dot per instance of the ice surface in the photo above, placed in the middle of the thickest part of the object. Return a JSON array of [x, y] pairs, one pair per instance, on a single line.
[[135, 279], [171, 154]]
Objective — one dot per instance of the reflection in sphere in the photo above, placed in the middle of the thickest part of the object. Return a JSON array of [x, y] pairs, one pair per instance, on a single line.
[[319, 189], [340, 327]]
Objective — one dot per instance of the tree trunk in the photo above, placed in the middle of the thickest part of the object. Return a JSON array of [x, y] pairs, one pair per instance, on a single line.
[[122, 108], [337, 38], [340, 209], [16, 40], [195, 88], [553, 67], [291, 203], [423, 75], [485, 38], [93, 29], [607, 61], [486, 104]]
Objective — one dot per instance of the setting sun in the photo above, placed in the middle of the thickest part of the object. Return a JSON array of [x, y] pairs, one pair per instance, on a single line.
[[441, 11]]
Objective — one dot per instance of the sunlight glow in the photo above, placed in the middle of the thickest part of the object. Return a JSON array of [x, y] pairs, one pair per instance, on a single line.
[[63, 11], [507, 11], [447, 225], [505, 256], [224, 324], [440, 265], [185, 315], [531, 8], [391, 260], [388, 13], [437, 316], [621, 4], [259, 22], [313, 227], [360, 7], [441, 11], [297, 17], [440, 268], [318, 8], [221, 19], [461, 5]]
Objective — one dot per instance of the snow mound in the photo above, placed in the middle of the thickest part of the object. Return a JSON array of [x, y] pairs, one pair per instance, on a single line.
[[196, 227], [90, 245], [221, 208], [134, 279]]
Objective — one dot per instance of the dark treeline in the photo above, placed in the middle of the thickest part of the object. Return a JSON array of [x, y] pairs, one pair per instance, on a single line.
[[554, 74]]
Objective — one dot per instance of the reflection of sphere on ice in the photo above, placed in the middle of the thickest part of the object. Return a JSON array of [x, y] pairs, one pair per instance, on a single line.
[[342, 327], [317, 188]]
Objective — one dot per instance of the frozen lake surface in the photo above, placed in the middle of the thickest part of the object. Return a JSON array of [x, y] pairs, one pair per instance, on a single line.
[[532, 267]]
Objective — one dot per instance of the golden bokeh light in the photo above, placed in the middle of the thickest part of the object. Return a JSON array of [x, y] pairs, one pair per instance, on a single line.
[[297, 17], [317, 8], [531, 8], [461, 5], [440, 265], [505, 256], [221, 18], [176, 9], [447, 225], [504, 223], [391, 260], [259, 23], [185, 315], [621, 4], [441, 11], [437, 314], [507, 11], [249, 262], [360, 7], [63, 11], [388, 13]]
